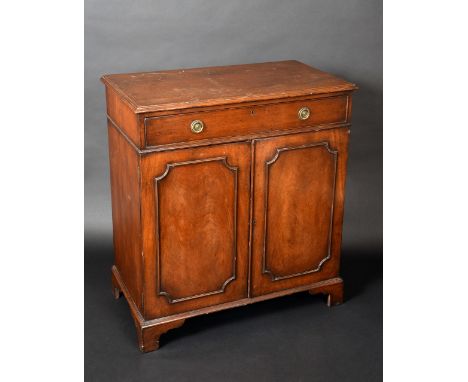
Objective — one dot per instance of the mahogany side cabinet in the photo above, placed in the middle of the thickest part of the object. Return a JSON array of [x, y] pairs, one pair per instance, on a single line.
[[227, 188]]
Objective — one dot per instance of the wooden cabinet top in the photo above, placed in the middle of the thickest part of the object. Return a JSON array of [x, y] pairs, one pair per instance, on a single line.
[[221, 85]]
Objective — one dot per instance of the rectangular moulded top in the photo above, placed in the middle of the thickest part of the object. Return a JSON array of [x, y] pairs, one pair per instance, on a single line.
[[221, 85]]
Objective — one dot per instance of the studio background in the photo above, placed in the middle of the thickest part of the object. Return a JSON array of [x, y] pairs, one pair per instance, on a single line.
[[295, 338]]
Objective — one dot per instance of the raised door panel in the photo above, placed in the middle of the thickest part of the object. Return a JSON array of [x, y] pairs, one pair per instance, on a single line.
[[298, 208], [195, 235]]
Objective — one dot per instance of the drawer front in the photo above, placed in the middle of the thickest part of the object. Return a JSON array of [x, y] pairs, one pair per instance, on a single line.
[[244, 121]]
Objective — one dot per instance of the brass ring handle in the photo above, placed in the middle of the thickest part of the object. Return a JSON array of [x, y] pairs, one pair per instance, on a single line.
[[197, 126], [304, 113]]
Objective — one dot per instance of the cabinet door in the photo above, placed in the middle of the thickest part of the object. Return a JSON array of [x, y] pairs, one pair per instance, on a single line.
[[195, 214], [298, 209]]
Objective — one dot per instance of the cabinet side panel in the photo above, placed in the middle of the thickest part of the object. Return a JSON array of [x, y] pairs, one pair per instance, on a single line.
[[125, 189], [123, 116]]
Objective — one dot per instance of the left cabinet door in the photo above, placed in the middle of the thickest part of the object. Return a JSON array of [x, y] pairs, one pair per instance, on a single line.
[[195, 224]]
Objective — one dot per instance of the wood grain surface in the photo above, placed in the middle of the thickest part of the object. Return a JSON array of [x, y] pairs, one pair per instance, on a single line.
[[248, 209], [221, 85]]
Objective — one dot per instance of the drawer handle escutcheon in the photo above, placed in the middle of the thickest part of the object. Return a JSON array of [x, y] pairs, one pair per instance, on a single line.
[[304, 113], [197, 126]]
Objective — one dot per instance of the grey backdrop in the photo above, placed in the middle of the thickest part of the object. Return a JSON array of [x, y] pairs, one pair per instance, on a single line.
[[343, 37]]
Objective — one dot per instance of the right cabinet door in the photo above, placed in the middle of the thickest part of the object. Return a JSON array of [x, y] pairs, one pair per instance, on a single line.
[[298, 193]]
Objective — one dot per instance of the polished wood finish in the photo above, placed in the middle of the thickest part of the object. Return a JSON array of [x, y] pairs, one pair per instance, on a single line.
[[195, 227], [126, 207], [221, 85], [121, 115], [247, 209], [298, 208], [244, 120]]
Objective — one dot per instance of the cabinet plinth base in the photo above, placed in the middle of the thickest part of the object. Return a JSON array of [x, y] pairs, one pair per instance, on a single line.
[[116, 291], [149, 331], [148, 336], [334, 293]]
